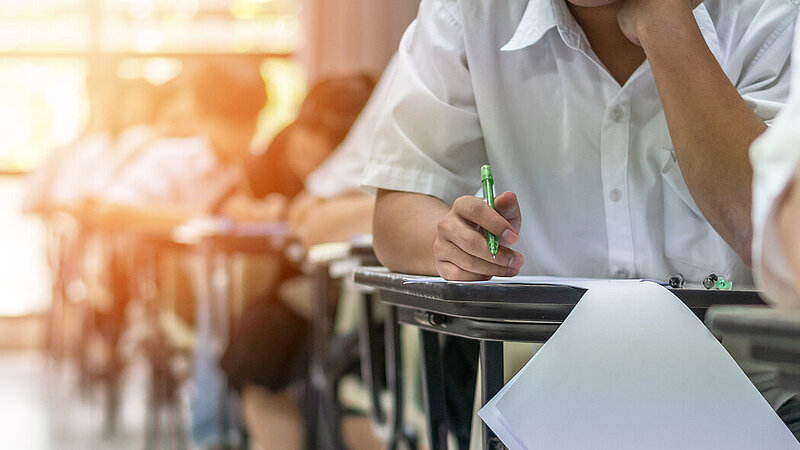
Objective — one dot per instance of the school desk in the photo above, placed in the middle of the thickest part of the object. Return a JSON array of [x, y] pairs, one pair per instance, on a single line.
[[490, 314]]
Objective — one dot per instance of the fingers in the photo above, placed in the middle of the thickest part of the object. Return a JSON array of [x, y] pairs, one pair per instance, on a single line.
[[507, 206], [475, 211], [451, 272], [473, 242], [460, 249], [507, 264]]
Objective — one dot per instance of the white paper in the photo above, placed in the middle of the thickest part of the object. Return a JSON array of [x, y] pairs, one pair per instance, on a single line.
[[520, 279], [633, 368]]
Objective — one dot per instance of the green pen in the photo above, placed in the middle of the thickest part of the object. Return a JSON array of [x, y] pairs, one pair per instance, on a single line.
[[487, 181]]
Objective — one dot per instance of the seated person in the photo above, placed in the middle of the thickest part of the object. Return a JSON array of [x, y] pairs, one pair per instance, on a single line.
[[278, 174], [267, 355], [333, 207], [583, 109], [776, 202], [176, 179], [96, 137]]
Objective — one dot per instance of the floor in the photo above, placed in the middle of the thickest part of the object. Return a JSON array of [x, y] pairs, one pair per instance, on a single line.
[[41, 407]]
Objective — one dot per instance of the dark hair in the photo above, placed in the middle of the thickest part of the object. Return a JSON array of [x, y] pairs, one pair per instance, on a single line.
[[270, 171], [229, 89], [333, 104]]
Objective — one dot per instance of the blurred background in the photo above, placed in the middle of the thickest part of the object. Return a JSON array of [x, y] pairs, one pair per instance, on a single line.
[[70, 68]]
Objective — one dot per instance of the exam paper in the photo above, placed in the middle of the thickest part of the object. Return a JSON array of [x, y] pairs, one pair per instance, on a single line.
[[633, 368], [521, 279]]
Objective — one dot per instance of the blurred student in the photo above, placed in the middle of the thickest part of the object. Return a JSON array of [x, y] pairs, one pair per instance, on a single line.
[[176, 179], [776, 201], [266, 358], [333, 207], [97, 136]]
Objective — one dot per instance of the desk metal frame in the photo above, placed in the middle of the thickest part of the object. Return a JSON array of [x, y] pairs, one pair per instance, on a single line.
[[490, 314], [323, 411], [771, 337]]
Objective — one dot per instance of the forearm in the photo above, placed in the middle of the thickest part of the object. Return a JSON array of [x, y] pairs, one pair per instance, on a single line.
[[711, 126], [141, 218], [404, 229], [338, 219]]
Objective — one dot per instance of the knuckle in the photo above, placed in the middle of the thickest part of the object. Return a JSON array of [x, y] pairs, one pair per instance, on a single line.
[[442, 226], [461, 203], [474, 208], [449, 272]]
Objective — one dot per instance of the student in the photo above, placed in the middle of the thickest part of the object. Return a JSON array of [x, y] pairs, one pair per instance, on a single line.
[[266, 357], [620, 130], [333, 208], [99, 134], [776, 202], [179, 178]]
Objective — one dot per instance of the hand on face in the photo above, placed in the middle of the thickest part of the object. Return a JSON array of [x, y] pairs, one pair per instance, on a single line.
[[635, 14], [460, 249], [788, 228]]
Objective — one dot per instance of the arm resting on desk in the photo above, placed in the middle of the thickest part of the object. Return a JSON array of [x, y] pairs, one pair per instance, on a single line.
[[151, 218], [404, 230], [317, 221], [420, 234]]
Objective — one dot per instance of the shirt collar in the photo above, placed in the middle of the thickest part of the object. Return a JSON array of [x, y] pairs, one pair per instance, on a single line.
[[540, 16]]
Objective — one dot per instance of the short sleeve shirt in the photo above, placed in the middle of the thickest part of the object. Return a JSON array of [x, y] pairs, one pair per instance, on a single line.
[[178, 171], [515, 84]]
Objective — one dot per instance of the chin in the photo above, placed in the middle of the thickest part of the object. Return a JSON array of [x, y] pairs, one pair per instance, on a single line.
[[592, 3]]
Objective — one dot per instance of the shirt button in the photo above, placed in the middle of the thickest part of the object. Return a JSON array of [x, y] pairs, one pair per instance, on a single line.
[[615, 195], [622, 273], [617, 114]]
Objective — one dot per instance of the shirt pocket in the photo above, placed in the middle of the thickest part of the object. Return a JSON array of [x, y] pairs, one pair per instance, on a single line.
[[691, 245]]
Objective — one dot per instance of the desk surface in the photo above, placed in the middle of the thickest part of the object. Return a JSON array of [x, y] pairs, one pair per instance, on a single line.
[[227, 235], [515, 301]]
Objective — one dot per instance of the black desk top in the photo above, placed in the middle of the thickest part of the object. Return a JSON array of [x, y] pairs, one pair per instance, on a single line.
[[522, 302], [226, 235]]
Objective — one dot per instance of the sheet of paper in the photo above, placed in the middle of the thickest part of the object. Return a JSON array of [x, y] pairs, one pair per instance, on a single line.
[[632, 368], [520, 279]]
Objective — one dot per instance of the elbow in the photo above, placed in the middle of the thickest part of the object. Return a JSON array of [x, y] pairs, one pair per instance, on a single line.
[[381, 242], [399, 234]]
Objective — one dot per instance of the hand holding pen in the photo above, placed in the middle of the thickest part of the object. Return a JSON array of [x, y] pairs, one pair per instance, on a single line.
[[461, 251]]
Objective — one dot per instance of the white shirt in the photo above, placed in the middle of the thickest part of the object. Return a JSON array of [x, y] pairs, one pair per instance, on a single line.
[[775, 157], [80, 165], [130, 144], [59, 176], [179, 171], [341, 172], [592, 162]]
